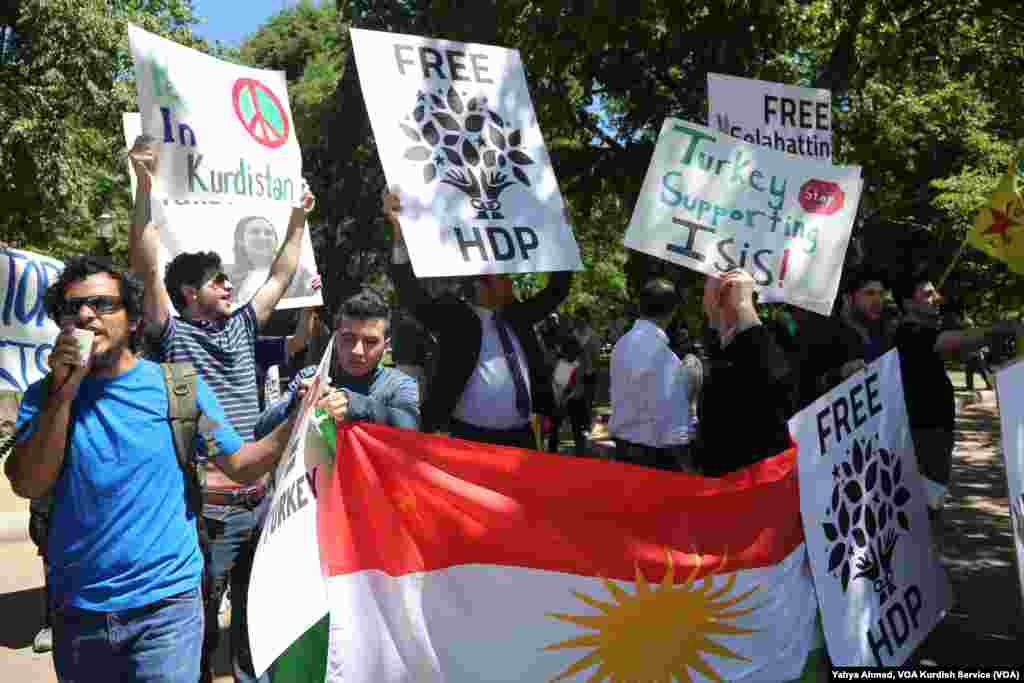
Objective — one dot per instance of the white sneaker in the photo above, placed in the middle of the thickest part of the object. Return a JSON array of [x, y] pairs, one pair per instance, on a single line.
[[43, 641]]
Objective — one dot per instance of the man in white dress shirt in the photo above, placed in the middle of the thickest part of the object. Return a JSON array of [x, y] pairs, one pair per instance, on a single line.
[[651, 421]]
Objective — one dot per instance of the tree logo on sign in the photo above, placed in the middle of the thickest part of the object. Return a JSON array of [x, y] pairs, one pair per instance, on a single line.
[[260, 112], [468, 146], [866, 515]]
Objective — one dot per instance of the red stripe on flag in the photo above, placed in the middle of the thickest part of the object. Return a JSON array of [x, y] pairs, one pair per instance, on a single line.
[[401, 501]]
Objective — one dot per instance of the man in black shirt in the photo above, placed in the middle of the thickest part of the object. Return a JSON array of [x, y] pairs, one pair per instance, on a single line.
[[748, 395], [926, 385]]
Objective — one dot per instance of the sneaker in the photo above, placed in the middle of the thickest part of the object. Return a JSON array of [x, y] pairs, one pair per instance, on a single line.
[[43, 641]]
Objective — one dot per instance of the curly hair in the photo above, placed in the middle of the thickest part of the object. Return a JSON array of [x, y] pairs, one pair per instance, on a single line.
[[80, 267], [366, 305], [188, 270]]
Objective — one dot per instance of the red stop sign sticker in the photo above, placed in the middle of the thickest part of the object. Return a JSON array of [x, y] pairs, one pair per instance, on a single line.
[[822, 196]]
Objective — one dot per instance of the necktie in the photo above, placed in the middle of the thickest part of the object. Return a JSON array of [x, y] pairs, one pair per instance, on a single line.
[[512, 358]]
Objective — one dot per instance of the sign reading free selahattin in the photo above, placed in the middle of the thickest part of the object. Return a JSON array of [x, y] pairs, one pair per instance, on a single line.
[[457, 134]]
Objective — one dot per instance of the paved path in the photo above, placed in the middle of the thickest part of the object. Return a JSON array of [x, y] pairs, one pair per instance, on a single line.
[[982, 628]]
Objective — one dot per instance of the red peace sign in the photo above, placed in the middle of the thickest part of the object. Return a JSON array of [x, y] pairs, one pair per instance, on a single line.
[[262, 114]]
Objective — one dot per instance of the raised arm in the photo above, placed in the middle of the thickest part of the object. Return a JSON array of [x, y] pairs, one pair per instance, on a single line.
[[411, 294], [285, 263], [544, 303], [144, 237]]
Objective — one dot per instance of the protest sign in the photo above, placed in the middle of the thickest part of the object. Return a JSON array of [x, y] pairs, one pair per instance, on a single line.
[[712, 203], [26, 332], [245, 233], [287, 593], [1010, 389], [457, 133], [225, 131], [786, 118], [879, 582]]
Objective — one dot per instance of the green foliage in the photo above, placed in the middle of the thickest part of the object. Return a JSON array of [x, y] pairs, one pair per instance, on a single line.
[[61, 146]]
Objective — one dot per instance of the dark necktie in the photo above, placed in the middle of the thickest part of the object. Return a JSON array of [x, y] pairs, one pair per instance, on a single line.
[[512, 358]]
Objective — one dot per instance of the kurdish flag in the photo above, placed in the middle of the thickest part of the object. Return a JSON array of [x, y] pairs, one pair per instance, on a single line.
[[461, 562], [999, 227]]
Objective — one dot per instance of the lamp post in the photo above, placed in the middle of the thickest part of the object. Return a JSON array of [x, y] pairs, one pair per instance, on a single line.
[[105, 233]]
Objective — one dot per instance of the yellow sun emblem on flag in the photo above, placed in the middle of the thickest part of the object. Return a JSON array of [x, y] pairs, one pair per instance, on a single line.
[[656, 634]]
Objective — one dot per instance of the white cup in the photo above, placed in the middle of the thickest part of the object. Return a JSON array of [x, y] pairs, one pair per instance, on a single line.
[[84, 339]]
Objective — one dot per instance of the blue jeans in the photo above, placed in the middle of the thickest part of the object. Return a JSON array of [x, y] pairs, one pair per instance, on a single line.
[[158, 643], [234, 532]]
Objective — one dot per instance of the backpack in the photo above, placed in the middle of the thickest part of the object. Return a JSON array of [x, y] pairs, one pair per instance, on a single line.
[[183, 413]]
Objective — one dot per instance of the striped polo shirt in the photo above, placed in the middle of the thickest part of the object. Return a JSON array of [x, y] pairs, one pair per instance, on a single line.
[[224, 354]]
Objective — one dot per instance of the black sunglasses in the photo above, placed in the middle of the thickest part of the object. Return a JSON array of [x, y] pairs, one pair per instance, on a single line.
[[100, 305]]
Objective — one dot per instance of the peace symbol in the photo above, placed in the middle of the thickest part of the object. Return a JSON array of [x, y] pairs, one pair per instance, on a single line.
[[260, 112]]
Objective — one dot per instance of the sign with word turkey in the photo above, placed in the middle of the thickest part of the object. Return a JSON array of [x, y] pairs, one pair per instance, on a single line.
[[879, 582], [713, 204], [458, 136], [225, 131]]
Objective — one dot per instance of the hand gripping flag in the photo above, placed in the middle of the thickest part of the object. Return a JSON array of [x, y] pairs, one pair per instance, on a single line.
[[454, 561], [999, 227]]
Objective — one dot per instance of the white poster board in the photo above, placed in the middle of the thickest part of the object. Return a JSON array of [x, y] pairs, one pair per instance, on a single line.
[[786, 118], [245, 233], [712, 203], [26, 332], [457, 134], [225, 131], [1010, 388], [287, 592], [879, 582]]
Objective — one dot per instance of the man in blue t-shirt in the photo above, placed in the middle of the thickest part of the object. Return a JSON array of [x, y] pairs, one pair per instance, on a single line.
[[123, 548]]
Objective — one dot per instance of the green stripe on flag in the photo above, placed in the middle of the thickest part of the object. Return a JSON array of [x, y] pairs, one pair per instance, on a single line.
[[305, 660], [818, 665]]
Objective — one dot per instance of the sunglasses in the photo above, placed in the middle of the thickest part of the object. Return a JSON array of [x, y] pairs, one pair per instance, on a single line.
[[100, 305]]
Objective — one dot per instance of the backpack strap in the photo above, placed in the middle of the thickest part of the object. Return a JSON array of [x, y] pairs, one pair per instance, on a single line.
[[183, 412]]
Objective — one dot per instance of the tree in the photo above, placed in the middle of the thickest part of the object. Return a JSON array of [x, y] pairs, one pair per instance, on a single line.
[[61, 148]]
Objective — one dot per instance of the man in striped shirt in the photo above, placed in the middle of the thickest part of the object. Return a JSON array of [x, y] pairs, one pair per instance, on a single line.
[[221, 344]]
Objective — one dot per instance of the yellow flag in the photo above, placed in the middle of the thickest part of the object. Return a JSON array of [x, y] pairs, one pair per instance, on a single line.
[[999, 227]]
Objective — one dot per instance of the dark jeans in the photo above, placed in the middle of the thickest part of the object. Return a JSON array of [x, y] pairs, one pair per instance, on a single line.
[[234, 532], [576, 409], [158, 643]]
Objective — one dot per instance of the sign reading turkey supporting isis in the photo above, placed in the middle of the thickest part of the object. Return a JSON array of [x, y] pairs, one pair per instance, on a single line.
[[26, 332], [224, 131], [786, 118], [879, 583], [712, 203], [458, 136], [1010, 385]]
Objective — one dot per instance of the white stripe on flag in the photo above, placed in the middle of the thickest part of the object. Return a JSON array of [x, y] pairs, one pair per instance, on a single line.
[[475, 623]]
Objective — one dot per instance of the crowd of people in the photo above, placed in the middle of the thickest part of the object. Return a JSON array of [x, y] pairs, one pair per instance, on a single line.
[[138, 534]]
